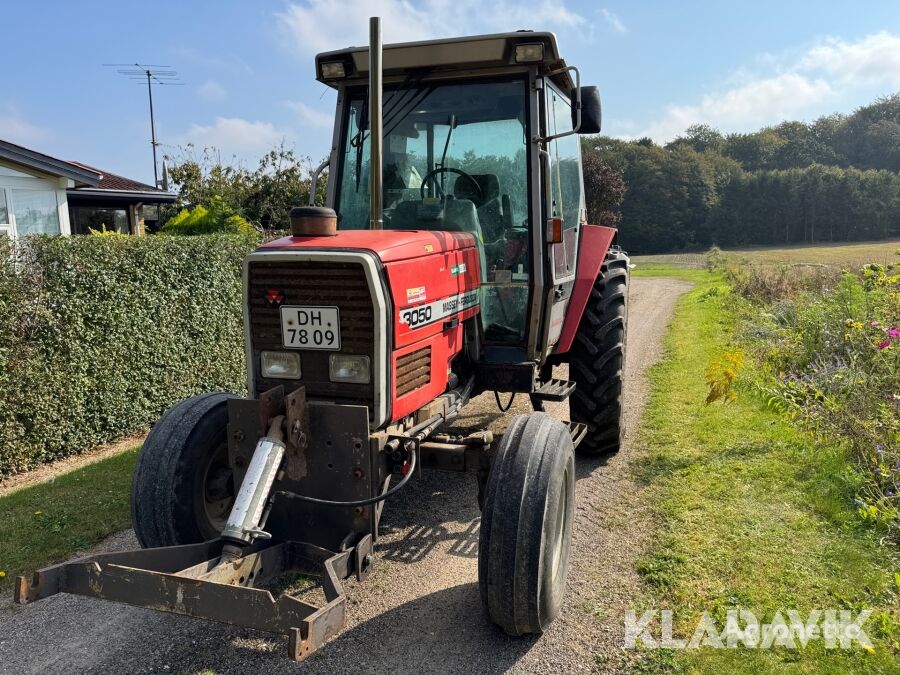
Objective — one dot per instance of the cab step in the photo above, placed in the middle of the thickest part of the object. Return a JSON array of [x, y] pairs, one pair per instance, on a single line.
[[577, 431], [554, 390]]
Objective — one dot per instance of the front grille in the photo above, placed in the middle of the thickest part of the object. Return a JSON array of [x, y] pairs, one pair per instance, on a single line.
[[338, 284], [413, 370]]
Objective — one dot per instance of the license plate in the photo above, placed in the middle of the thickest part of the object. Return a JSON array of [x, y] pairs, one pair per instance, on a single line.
[[308, 327]]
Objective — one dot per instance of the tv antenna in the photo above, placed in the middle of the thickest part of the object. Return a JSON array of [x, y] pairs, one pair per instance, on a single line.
[[153, 74]]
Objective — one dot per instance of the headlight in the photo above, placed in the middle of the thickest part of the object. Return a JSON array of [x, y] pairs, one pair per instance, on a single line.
[[332, 70], [284, 365], [349, 368], [529, 52]]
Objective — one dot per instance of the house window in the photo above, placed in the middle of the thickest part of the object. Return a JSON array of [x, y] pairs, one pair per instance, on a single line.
[[4, 211], [36, 212], [87, 218]]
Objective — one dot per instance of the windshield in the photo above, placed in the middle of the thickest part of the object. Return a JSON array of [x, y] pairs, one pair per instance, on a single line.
[[454, 159]]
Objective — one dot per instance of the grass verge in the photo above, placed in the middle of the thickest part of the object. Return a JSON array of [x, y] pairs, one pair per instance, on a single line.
[[50, 522], [753, 515]]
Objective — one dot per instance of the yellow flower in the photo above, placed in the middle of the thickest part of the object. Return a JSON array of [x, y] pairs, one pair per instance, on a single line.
[[2, 574], [870, 649], [38, 513]]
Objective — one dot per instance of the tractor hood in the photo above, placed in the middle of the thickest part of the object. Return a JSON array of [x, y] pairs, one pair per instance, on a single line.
[[388, 245]]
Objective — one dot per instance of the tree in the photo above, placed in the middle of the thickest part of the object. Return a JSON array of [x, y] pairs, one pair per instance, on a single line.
[[219, 217], [754, 151], [263, 196], [700, 137]]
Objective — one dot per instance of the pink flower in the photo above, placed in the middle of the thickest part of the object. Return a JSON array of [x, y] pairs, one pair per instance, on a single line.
[[894, 333], [884, 345]]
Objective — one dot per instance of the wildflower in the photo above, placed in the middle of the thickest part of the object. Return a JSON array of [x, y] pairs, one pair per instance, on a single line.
[[883, 345], [859, 502], [889, 493], [38, 513], [879, 448], [894, 333], [877, 471], [2, 574]]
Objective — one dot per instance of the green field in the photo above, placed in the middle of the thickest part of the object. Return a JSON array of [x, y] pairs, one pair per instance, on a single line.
[[851, 255], [752, 513]]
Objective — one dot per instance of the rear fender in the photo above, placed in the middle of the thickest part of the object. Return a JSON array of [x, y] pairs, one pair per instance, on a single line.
[[595, 243]]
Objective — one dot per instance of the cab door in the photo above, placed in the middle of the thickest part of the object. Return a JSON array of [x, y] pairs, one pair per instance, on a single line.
[[565, 200]]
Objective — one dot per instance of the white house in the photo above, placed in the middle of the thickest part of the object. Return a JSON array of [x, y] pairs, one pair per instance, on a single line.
[[42, 194]]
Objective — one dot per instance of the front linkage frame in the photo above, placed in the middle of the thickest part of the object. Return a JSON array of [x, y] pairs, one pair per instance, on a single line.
[[197, 580]]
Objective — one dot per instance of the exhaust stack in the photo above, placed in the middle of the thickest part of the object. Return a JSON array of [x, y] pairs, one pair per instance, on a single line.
[[376, 205]]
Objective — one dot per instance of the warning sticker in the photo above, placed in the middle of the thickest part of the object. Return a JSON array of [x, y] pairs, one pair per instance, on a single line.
[[415, 294]]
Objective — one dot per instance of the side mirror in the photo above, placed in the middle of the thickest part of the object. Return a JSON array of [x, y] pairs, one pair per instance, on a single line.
[[590, 111]]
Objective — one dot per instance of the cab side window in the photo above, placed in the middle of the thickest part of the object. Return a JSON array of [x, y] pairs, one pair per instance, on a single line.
[[566, 192]]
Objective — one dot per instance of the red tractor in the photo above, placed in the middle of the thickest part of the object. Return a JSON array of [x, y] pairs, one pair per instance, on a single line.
[[454, 258]]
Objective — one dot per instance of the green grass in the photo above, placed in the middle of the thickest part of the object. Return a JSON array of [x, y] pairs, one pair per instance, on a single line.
[[751, 514], [48, 523], [693, 275]]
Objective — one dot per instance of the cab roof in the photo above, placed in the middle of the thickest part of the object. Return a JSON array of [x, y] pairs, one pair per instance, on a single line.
[[449, 54]]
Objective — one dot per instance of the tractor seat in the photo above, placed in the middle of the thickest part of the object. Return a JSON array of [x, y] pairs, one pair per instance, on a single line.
[[489, 206], [489, 184]]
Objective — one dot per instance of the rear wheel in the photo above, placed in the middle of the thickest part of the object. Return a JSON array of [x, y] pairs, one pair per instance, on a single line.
[[597, 360], [183, 487], [526, 525]]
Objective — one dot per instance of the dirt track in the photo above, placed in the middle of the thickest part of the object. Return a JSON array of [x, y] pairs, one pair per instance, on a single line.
[[420, 610]]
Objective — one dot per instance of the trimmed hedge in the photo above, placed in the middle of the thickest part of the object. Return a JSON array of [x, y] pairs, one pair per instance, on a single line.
[[99, 335]]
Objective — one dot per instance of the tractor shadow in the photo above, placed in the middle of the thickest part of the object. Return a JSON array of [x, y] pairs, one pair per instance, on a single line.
[[419, 542], [443, 632]]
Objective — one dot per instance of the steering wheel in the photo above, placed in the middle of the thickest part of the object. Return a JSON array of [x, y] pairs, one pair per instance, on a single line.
[[430, 176]]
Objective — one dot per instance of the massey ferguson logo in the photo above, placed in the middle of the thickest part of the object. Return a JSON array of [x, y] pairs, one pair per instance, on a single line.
[[274, 296]]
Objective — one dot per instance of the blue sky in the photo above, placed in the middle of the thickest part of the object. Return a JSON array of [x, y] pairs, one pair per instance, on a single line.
[[250, 81]]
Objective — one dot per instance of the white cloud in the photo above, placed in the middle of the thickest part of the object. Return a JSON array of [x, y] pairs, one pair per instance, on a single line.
[[313, 26], [749, 106], [16, 129], [236, 136], [212, 91], [873, 60], [800, 85], [614, 21], [311, 117]]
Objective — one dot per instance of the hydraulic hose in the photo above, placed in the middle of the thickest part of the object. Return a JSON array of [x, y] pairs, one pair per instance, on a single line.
[[512, 398], [362, 502]]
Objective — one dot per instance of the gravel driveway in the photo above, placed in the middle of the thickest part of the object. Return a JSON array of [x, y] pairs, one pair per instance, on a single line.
[[420, 611]]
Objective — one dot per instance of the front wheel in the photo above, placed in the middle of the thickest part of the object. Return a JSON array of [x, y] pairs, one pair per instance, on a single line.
[[183, 487], [526, 526]]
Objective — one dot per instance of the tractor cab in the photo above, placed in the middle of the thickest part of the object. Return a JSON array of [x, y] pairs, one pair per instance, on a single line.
[[479, 135]]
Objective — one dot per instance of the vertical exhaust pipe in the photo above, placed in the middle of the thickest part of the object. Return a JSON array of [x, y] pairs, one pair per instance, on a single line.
[[376, 205]]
